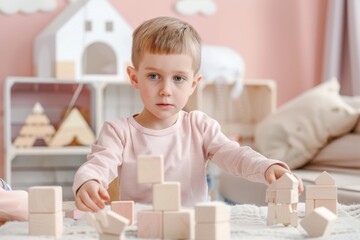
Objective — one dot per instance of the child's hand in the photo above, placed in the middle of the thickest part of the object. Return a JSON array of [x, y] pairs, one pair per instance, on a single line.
[[91, 196], [276, 171]]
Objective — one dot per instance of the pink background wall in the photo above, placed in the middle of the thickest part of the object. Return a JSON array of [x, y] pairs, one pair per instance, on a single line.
[[278, 39]]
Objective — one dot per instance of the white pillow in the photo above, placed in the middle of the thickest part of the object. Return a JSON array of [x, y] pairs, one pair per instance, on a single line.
[[342, 152], [296, 132]]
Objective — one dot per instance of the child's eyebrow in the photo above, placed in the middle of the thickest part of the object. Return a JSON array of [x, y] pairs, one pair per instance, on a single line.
[[176, 72]]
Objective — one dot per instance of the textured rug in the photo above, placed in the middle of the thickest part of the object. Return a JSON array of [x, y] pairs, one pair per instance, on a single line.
[[247, 222]]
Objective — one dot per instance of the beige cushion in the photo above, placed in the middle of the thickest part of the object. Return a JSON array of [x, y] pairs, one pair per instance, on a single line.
[[341, 152], [296, 132]]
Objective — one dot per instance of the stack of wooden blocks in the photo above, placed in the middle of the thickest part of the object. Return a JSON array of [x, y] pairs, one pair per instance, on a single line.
[[167, 219], [282, 198], [212, 221], [322, 194], [45, 211], [320, 206]]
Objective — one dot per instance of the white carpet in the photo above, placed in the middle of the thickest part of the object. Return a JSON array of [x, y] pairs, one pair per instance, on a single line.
[[247, 222]]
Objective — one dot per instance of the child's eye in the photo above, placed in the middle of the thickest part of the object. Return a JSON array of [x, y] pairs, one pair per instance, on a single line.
[[153, 76], [178, 79]]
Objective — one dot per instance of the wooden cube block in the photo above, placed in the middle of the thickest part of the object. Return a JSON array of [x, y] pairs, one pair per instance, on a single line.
[[150, 169], [321, 192], [212, 212], [179, 224], [150, 224], [287, 196], [330, 204], [75, 214], [115, 224], [49, 224], [45, 199], [212, 231], [319, 222], [167, 196], [124, 208]]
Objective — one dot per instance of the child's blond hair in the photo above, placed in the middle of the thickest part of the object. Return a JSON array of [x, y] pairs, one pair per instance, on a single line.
[[166, 35]]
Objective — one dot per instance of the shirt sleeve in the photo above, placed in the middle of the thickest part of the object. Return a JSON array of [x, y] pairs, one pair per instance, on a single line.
[[103, 161], [237, 160], [13, 205]]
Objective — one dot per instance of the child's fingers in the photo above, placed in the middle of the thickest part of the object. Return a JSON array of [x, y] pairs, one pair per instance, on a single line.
[[271, 178], [104, 194], [81, 205], [89, 201]]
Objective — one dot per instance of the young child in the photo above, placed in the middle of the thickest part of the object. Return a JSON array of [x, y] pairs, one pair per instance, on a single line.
[[166, 59]]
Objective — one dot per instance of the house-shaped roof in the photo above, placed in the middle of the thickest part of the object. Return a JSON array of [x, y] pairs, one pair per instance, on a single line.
[[287, 181], [325, 179]]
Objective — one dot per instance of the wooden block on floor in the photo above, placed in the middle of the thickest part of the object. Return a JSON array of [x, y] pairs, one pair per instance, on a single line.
[[167, 196], [91, 220], [319, 222], [321, 192], [330, 204], [271, 214], [124, 208], [212, 231], [150, 224], [286, 181], [45, 199], [49, 224], [179, 224], [212, 212], [115, 224], [150, 169], [309, 206], [75, 214], [286, 196]]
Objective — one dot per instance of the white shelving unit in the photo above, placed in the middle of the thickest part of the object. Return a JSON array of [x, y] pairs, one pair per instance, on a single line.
[[102, 99]]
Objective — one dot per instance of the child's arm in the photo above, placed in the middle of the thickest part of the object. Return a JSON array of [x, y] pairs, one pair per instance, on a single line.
[[13, 205], [90, 196], [276, 171]]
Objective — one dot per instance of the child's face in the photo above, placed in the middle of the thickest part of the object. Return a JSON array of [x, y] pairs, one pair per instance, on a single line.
[[165, 83]]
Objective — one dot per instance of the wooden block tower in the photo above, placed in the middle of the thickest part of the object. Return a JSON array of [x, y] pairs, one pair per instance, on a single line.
[[167, 219], [322, 194], [282, 198], [212, 221], [45, 211]]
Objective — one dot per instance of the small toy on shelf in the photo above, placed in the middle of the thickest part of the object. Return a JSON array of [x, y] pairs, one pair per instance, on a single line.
[[37, 127], [73, 128]]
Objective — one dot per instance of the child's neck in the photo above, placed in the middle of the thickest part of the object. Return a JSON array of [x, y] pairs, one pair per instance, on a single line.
[[152, 122]]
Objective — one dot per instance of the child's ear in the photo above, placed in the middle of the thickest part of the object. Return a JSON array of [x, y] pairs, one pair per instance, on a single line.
[[198, 77], [131, 71]]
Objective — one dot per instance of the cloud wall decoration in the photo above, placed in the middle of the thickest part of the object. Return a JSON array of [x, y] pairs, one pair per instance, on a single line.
[[26, 6]]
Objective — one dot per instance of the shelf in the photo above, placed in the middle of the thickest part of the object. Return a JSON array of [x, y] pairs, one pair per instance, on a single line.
[[38, 151]]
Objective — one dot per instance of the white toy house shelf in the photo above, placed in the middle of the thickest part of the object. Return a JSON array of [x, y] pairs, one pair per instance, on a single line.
[[89, 40]]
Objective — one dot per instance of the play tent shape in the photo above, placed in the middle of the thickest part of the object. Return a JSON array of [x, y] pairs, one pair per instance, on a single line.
[[73, 128], [88, 40]]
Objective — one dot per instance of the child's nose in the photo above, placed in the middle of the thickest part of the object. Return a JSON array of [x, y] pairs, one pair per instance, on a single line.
[[165, 90]]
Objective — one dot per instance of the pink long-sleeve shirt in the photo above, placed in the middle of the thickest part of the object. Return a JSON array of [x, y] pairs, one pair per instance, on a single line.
[[186, 146]]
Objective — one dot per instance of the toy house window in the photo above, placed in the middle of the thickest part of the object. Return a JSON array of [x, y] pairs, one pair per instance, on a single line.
[[88, 26], [109, 26]]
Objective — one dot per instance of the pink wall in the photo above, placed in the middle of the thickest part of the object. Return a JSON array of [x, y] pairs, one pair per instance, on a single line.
[[278, 39]]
